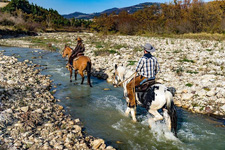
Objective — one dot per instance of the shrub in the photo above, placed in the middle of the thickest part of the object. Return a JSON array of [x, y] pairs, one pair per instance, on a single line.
[[189, 85]]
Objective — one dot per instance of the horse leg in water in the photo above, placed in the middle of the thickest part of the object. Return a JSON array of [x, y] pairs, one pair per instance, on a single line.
[[133, 113], [75, 74], [156, 117], [82, 75], [88, 68], [167, 118], [71, 72], [131, 110]]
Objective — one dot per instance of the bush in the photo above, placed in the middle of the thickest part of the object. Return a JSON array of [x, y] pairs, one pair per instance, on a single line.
[[6, 22]]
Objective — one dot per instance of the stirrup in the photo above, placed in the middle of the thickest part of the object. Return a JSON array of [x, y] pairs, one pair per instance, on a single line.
[[68, 65]]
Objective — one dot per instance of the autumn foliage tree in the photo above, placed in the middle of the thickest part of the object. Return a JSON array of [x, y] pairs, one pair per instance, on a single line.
[[181, 16]]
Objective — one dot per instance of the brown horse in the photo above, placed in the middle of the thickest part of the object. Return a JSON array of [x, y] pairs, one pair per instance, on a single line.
[[80, 64]]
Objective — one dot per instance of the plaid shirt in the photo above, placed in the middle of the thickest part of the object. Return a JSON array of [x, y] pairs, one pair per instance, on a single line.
[[148, 66]]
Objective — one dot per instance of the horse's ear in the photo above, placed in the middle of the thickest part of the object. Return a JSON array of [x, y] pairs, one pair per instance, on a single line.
[[115, 66], [65, 45], [122, 64]]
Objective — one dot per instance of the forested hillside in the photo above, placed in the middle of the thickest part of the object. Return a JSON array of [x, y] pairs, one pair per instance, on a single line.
[[177, 17], [183, 16], [23, 16]]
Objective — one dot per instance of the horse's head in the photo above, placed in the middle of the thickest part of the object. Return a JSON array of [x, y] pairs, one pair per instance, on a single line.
[[66, 51], [118, 75]]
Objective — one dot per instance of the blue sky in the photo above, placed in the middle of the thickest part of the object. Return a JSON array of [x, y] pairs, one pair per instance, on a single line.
[[89, 6]]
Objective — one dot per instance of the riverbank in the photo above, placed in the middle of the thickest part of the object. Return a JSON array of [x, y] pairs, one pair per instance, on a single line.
[[30, 117], [193, 67]]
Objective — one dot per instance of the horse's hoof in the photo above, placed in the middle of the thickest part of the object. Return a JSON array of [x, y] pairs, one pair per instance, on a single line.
[[127, 114], [70, 80], [134, 121]]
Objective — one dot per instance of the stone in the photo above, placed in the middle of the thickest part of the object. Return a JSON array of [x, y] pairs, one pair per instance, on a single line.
[[18, 144], [211, 93], [97, 143], [40, 111], [185, 106], [9, 111], [10, 82], [177, 103], [109, 148], [106, 89], [186, 96], [77, 128], [201, 93], [223, 108], [60, 107], [24, 109]]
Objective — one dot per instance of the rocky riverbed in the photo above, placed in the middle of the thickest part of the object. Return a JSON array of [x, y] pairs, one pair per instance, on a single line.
[[30, 118], [194, 67]]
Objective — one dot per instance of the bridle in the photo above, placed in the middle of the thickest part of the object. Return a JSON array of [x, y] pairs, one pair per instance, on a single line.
[[66, 48]]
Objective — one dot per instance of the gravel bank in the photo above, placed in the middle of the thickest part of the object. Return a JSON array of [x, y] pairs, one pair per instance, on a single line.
[[30, 118]]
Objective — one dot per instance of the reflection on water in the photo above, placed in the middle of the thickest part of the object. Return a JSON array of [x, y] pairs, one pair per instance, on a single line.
[[102, 112]]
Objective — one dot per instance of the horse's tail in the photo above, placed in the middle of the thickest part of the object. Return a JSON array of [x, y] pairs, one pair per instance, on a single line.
[[89, 73], [172, 112]]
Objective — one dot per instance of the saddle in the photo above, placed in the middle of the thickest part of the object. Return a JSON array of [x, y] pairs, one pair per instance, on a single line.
[[144, 86], [145, 93]]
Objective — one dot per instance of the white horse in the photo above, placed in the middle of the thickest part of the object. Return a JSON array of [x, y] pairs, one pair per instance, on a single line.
[[163, 99]]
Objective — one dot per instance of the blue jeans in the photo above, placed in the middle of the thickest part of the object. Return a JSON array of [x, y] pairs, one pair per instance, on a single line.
[[153, 78]]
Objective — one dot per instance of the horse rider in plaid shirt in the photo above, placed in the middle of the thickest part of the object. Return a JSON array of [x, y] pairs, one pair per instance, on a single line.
[[146, 69]]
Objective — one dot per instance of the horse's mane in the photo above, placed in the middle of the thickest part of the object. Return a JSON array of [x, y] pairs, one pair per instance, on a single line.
[[69, 47]]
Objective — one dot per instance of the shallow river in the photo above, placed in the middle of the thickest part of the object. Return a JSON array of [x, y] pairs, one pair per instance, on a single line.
[[102, 112]]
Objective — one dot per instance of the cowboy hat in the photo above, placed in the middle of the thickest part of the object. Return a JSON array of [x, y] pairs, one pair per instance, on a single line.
[[79, 39], [148, 47]]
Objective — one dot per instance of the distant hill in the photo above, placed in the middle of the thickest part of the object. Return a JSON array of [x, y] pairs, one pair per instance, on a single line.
[[130, 10]]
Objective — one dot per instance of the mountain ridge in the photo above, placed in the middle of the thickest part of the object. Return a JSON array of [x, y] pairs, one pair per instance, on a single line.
[[129, 9]]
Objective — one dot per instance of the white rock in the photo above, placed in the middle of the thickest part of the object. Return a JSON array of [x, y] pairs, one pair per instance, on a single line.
[[201, 93], [223, 108], [210, 93], [97, 143], [186, 96], [24, 109], [39, 111], [10, 82]]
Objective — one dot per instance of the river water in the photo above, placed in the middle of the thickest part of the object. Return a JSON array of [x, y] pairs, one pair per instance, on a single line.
[[102, 112]]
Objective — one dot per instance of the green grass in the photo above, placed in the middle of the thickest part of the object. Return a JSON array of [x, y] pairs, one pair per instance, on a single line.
[[131, 63], [186, 60], [43, 43], [177, 51], [137, 49], [119, 46], [179, 70], [209, 50], [192, 72], [189, 84]]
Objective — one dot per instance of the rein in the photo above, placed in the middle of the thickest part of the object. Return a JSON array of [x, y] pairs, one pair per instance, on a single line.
[[126, 79]]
